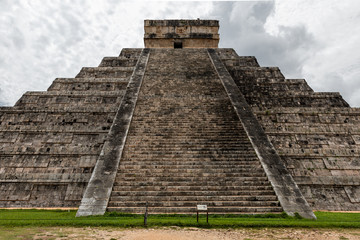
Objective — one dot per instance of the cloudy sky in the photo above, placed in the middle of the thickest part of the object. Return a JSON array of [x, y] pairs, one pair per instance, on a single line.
[[316, 40]]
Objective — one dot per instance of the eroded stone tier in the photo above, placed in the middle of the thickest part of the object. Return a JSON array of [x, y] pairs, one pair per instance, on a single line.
[[50, 141], [185, 144], [317, 135]]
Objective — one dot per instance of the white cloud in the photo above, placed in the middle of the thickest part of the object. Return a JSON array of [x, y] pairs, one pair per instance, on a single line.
[[42, 40], [245, 32], [335, 62]]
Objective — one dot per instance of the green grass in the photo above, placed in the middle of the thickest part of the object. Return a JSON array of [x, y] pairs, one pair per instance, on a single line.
[[67, 218]]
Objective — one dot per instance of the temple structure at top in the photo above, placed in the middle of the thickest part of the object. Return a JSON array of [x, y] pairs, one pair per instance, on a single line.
[[181, 33]]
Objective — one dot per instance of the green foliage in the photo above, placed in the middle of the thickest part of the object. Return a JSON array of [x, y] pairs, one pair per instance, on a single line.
[[23, 218]]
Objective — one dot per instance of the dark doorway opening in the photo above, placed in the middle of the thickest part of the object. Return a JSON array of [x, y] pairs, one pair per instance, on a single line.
[[177, 44]]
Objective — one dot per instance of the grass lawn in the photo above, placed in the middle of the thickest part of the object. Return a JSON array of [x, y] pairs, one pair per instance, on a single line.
[[51, 218]]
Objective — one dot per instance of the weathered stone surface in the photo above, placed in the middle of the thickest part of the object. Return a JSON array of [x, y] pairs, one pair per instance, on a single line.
[[185, 144], [288, 193], [49, 141], [353, 193], [97, 193], [315, 134], [181, 33]]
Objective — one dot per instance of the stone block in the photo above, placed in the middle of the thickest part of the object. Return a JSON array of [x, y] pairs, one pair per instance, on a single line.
[[353, 193]]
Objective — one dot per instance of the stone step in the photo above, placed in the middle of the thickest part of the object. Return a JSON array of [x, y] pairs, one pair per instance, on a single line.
[[210, 203], [188, 138], [191, 144], [229, 53], [307, 94], [198, 161], [207, 175], [217, 182], [189, 169], [84, 131], [31, 162], [130, 53], [191, 137], [33, 116], [192, 210], [170, 192], [118, 62], [192, 198], [180, 126], [168, 141], [105, 72], [72, 93], [52, 110], [180, 155], [174, 114], [201, 125], [269, 81], [292, 99], [44, 137], [188, 151], [252, 190], [70, 97], [71, 103], [179, 167], [10, 148], [188, 181], [195, 123], [210, 148], [67, 127], [40, 169], [185, 132], [89, 84], [62, 109], [239, 61], [257, 72], [209, 119], [309, 111], [207, 145], [190, 134], [177, 170], [44, 177]]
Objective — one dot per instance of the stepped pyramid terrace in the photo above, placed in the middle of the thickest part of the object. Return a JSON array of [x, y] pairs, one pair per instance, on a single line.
[[176, 124]]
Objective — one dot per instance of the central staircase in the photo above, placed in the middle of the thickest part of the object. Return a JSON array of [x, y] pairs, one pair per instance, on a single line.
[[186, 145]]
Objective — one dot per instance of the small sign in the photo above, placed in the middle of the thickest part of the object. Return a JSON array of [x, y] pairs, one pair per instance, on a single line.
[[202, 207]]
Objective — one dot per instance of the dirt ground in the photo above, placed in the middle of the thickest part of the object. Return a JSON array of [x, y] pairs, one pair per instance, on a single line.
[[176, 233]]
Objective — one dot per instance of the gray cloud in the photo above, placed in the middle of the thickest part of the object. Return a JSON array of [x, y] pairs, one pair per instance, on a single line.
[[245, 32], [43, 40], [57, 38], [17, 38], [2, 100]]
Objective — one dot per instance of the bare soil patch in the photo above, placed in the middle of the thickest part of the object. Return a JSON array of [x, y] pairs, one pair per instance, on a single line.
[[176, 233]]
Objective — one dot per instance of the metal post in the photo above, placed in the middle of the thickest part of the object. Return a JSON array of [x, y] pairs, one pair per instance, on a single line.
[[207, 216], [197, 216], [146, 214]]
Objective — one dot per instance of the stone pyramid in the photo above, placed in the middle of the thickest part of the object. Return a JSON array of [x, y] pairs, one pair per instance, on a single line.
[[177, 124]]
